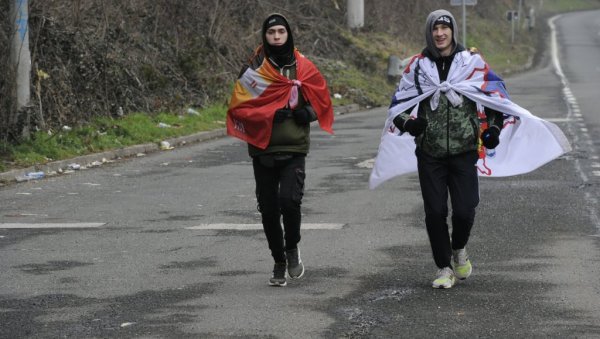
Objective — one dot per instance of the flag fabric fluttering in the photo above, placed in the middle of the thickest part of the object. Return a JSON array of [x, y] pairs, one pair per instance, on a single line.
[[259, 92], [526, 142]]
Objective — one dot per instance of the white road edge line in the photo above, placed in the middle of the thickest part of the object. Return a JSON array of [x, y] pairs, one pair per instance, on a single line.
[[591, 201]]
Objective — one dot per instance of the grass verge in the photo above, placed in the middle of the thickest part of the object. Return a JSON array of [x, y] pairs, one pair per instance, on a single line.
[[362, 81], [106, 133]]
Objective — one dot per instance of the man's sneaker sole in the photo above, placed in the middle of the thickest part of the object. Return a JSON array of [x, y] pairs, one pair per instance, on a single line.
[[444, 285], [278, 278], [294, 276], [445, 278], [462, 276], [277, 284], [293, 257], [462, 272]]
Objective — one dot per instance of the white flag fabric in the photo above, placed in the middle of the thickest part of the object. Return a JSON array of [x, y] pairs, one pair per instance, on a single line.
[[526, 142]]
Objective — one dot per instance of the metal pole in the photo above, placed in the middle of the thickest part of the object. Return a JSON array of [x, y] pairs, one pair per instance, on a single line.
[[464, 23], [21, 59], [512, 28], [356, 13], [519, 15]]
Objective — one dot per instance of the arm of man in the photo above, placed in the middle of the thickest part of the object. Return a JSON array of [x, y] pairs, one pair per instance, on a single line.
[[494, 118], [405, 123], [304, 115], [491, 136]]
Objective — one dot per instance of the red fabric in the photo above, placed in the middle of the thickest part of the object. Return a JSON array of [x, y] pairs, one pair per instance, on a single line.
[[252, 120]]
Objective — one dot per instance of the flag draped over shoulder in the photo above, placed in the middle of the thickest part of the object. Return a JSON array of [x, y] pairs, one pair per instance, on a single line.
[[526, 142], [259, 92]]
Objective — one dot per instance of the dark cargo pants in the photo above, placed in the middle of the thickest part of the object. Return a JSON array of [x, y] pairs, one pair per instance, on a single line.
[[456, 175], [279, 191]]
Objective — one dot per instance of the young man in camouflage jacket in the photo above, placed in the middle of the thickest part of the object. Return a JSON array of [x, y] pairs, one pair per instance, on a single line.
[[447, 140]]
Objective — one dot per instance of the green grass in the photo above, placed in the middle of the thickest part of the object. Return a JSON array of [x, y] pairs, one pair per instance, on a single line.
[[494, 43], [560, 6], [355, 86], [364, 83], [105, 133]]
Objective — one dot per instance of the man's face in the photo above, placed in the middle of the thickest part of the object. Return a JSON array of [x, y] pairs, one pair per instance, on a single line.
[[442, 37], [277, 35]]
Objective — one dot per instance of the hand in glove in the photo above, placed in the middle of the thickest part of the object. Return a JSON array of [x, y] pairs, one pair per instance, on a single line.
[[302, 116], [491, 137], [398, 122], [414, 127], [282, 114]]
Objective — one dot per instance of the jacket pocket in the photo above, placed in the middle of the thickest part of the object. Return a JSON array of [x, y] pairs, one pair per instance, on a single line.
[[299, 186]]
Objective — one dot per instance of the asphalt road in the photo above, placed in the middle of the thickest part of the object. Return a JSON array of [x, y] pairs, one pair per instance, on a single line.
[[143, 271]]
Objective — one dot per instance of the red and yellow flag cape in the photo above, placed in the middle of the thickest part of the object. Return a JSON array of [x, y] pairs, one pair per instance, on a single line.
[[258, 93]]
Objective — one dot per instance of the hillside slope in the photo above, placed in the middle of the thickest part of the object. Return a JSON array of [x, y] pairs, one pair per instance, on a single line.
[[105, 58]]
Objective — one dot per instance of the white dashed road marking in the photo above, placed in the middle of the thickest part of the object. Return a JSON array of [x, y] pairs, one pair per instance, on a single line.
[[558, 119], [52, 225], [366, 164], [242, 227]]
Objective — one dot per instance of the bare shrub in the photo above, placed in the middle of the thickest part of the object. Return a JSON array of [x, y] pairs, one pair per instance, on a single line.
[[107, 56]]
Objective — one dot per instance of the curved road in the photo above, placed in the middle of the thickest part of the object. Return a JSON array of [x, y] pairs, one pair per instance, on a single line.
[[139, 263]]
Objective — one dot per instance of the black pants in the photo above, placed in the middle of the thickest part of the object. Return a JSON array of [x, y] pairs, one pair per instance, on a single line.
[[457, 175], [279, 191]]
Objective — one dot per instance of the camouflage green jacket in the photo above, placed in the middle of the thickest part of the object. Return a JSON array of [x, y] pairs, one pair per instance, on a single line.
[[450, 130]]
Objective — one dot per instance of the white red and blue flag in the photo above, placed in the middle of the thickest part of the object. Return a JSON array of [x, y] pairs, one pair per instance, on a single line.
[[526, 142]]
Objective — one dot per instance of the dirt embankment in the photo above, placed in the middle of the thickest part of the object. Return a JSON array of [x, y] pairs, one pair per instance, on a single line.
[[109, 57]]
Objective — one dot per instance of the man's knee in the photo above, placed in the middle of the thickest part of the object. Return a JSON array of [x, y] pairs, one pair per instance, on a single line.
[[289, 204], [463, 216], [292, 199]]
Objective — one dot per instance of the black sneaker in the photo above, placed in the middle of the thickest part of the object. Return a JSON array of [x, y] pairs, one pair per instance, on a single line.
[[278, 278], [295, 267]]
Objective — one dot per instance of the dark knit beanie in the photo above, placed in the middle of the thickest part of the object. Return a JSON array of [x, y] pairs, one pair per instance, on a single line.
[[444, 20], [282, 55], [275, 20]]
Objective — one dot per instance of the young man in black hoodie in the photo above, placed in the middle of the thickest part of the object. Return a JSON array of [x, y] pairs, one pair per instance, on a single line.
[[447, 140], [272, 100]]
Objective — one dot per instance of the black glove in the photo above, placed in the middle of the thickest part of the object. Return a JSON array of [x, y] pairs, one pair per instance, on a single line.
[[398, 122], [282, 114], [302, 116], [491, 137], [414, 127]]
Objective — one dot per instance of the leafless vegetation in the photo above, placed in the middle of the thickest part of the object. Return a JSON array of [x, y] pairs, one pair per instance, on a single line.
[[106, 56]]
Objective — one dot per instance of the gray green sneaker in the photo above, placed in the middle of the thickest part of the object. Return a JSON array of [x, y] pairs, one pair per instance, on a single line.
[[295, 267], [278, 277], [462, 264], [445, 278]]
